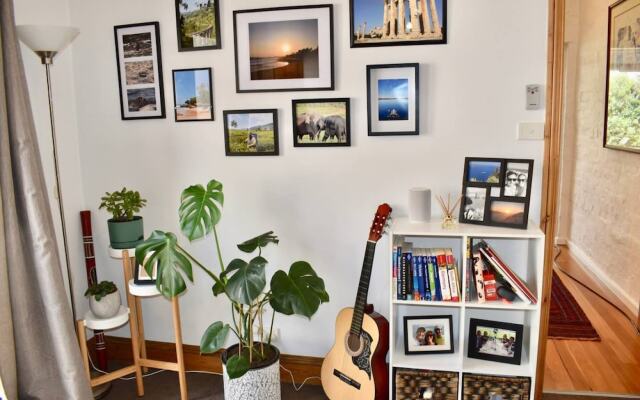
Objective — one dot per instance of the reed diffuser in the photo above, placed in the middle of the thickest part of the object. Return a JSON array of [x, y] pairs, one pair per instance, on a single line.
[[448, 211]]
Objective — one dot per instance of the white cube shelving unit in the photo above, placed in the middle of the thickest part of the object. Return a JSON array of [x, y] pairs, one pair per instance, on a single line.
[[522, 250]]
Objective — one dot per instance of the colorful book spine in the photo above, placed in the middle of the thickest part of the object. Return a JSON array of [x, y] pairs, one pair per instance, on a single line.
[[467, 281], [403, 277], [425, 277], [433, 272], [444, 275], [511, 277], [452, 271], [408, 291], [478, 273], [415, 271], [394, 272]]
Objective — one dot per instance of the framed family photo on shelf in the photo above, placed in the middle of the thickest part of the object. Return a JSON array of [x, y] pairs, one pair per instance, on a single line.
[[198, 24], [496, 192], [284, 49], [251, 132], [141, 277], [393, 99], [495, 341], [192, 94], [428, 334], [398, 22], [139, 61], [321, 122]]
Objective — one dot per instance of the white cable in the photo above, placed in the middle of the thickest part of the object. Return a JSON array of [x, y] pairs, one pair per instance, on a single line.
[[298, 388], [123, 379]]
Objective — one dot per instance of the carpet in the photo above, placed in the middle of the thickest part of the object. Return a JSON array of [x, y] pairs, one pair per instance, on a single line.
[[567, 320]]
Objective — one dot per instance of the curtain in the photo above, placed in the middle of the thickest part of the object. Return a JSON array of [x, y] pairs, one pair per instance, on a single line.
[[39, 353]]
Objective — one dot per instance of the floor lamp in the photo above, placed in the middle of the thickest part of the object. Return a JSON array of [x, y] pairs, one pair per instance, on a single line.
[[46, 42]]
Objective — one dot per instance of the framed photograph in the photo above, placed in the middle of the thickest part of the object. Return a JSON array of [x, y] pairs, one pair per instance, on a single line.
[[495, 341], [321, 122], [496, 192], [141, 277], [428, 334], [411, 384], [622, 110], [192, 94], [476, 386], [139, 62], [393, 99], [398, 23], [251, 132], [198, 24], [284, 49]]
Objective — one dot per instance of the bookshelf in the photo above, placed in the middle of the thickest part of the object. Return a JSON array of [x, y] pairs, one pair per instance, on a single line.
[[522, 250]]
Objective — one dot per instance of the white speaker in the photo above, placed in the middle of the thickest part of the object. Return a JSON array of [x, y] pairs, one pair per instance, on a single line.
[[419, 205]]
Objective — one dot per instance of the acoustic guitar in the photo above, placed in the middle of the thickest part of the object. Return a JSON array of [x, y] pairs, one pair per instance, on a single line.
[[356, 367]]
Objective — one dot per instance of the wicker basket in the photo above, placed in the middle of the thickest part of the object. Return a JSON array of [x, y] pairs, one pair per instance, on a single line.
[[489, 387], [410, 384]]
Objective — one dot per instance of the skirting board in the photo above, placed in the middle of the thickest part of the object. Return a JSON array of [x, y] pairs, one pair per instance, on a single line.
[[593, 267], [119, 349]]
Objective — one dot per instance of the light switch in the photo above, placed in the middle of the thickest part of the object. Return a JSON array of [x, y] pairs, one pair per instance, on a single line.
[[531, 131], [534, 97]]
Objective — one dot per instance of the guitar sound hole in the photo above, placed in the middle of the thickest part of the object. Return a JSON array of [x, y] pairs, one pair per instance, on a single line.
[[353, 342]]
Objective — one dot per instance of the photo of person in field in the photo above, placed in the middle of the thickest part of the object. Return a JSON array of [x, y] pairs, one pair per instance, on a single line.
[[251, 133], [284, 49]]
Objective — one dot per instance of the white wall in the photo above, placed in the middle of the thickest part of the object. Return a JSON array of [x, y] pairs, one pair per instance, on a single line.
[[56, 12], [319, 201]]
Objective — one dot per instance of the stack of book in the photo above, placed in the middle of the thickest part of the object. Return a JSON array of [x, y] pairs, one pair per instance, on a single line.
[[493, 279], [425, 274]]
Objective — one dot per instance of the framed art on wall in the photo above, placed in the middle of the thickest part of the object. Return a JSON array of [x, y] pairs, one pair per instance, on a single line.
[[431, 334], [284, 49], [198, 24], [251, 132], [496, 192], [321, 122], [398, 22], [622, 110], [139, 61], [393, 99], [192, 94], [410, 384], [495, 341]]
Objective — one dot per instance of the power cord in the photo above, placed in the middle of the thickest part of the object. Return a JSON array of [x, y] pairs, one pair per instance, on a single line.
[[298, 388]]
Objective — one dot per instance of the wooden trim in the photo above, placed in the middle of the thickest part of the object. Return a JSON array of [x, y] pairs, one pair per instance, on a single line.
[[102, 379], [119, 350], [551, 168]]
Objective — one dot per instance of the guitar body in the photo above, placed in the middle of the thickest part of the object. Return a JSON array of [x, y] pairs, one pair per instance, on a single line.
[[364, 377]]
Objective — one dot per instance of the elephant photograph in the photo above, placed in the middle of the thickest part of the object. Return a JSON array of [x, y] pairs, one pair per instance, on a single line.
[[321, 122]]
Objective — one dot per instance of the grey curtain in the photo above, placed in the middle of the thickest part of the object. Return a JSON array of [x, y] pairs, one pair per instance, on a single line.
[[39, 353]]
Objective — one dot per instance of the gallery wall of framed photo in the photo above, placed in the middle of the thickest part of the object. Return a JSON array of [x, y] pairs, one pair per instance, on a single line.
[[303, 190]]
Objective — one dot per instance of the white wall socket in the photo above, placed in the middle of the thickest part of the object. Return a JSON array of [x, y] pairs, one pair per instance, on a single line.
[[531, 131]]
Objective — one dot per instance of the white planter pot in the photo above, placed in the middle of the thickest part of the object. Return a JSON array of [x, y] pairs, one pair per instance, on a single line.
[[259, 383], [107, 307]]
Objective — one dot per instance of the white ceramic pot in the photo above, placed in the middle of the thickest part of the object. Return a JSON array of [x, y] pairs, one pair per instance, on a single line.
[[107, 307], [258, 383]]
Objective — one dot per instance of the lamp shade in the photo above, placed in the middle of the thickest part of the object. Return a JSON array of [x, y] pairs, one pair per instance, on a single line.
[[43, 38]]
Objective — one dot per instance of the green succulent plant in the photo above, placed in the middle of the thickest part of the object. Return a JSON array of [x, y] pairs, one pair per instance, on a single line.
[[122, 204], [100, 290], [299, 291]]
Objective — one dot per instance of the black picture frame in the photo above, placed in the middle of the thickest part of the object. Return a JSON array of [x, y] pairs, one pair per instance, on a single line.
[[397, 42], [138, 277], [449, 334], [619, 52], [423, 380], [155, 57], [415, 103], [175, 94], [239, 83], [516, 204], [227, 140], [216, 16], [474, 343], [299, 131], [471, 383]]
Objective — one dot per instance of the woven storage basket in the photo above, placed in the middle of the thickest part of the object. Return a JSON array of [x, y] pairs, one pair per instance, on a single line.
[[409, 383], [489, 387]]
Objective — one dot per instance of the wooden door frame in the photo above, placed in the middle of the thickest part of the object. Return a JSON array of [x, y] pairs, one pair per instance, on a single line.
[[551, 168]]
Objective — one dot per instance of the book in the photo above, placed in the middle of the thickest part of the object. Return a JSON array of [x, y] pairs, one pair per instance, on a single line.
[[425, 277], [418, 291], [436, 275], [443, 274], [452, 272], [394, 271], [433, 281], [399, 272], [478, 273]]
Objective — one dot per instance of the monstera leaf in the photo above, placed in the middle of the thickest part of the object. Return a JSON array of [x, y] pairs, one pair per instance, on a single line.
[[237, 365], [299, 292], [162, 247], [259, 241], [200, 209], [247, 281], [214, 337]]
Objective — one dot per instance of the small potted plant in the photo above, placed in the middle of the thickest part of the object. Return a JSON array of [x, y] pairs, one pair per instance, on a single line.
[[251, 366], [104, 299], [125, 228]]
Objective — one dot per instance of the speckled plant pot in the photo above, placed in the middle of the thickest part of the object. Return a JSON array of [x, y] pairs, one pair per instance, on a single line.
[[260, 382], [107, 307]]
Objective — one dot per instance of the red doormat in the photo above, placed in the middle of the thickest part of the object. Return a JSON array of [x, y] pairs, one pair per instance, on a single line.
[[566, 318]]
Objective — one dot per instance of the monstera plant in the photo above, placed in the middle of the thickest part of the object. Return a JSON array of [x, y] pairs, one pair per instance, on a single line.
[[299, 291]]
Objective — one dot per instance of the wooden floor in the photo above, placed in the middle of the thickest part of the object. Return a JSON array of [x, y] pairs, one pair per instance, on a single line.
[[609, 366]]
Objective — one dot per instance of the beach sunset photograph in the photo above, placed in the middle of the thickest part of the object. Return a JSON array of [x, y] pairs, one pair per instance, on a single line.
[[504, 212], [284, 49]]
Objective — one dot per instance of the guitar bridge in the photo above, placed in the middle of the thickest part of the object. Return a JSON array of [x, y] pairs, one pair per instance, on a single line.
[[344, 378]]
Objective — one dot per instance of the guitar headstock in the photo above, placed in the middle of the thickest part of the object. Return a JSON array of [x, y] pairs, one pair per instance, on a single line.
[[379, 222]]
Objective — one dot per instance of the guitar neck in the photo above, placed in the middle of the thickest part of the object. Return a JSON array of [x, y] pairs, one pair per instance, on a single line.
[[363, 288]]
